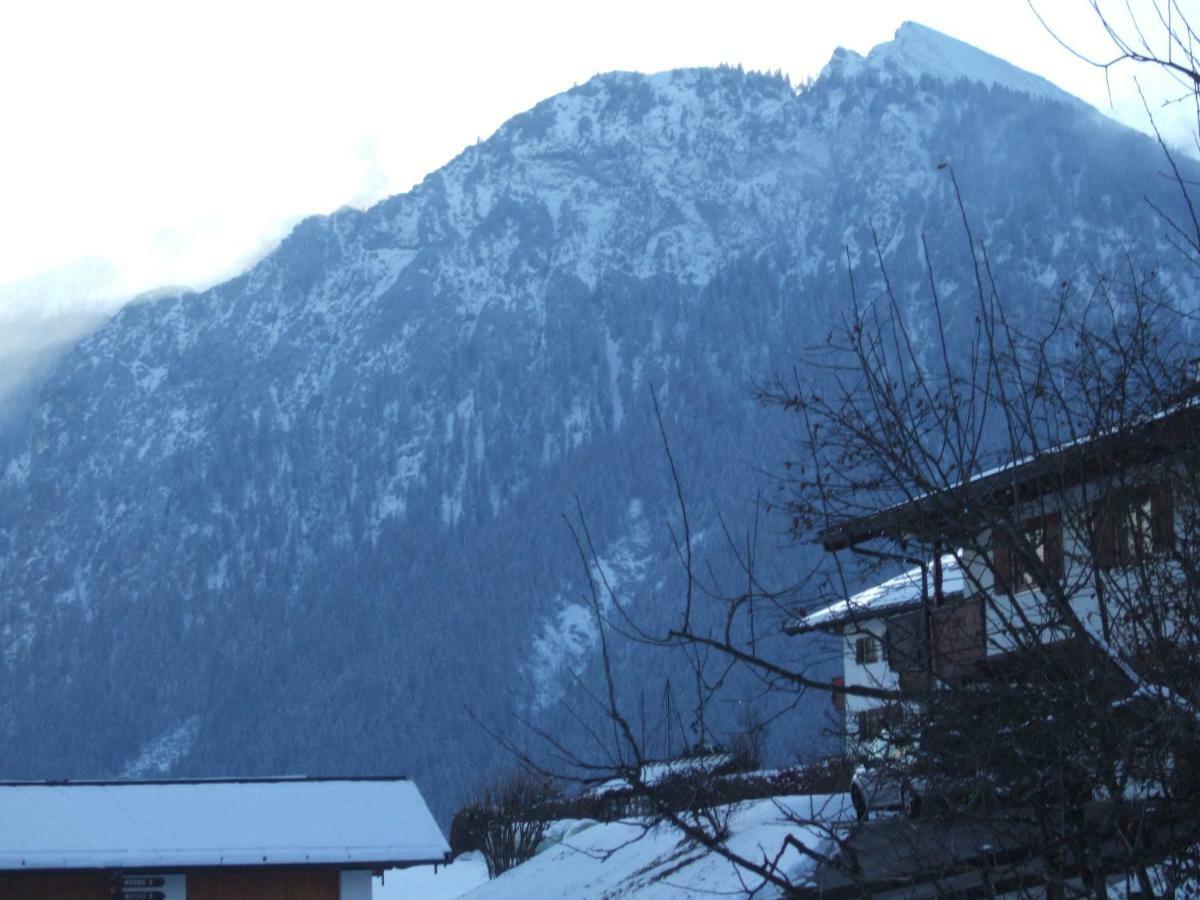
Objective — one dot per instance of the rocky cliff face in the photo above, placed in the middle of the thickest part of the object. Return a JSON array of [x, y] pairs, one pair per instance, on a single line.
[[301, 521]]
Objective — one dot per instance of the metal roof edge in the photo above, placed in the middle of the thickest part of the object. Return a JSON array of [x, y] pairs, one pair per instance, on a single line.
[[1013, 474], [857, 617], [867, 614], [266, 779], [343, 866]]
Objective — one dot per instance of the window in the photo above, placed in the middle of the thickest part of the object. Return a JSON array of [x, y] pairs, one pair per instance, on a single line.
[[1133, 525], [1013, 567], [870, 723], [838, 697], [866, 650]]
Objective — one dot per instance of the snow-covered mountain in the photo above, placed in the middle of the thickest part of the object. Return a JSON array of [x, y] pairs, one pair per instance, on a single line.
[[919, 52], [302, 521]]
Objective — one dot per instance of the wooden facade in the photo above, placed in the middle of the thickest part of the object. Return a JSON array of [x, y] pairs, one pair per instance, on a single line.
[[269, 884], [84, 886], [295, 884]]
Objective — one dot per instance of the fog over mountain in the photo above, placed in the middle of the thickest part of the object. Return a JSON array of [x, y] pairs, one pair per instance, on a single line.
[[305, 520]]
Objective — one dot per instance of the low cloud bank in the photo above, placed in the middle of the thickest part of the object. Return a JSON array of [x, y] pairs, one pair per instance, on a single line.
[[30, 344]]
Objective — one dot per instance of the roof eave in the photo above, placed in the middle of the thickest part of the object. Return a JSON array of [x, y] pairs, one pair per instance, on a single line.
[[911, 518], [342, 865], [833, 626]]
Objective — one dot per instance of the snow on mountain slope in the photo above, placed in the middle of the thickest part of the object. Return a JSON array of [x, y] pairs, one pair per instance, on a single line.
[[317, 510], [918, 51], [159, 756], [569, 638]]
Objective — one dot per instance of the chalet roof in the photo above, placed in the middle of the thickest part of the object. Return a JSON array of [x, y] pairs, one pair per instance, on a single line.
[[1136, 443], [348, 823], [892, 596]]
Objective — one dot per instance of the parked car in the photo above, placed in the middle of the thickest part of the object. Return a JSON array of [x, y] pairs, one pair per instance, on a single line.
[[879, 777], [873, 788]]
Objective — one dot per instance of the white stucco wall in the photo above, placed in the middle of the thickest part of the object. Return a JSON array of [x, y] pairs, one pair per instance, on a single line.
[[356, 885], [873, 675], [1077, 575]]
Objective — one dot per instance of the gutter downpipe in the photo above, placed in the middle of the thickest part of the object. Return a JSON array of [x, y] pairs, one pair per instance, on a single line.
[[926, 613]]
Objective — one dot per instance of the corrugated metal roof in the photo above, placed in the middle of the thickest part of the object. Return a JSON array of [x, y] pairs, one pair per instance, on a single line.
[[184, 824]]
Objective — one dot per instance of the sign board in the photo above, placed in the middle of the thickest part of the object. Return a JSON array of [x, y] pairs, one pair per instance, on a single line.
[[148, 887]]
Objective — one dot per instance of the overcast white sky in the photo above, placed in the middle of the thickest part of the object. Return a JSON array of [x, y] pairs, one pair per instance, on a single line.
[[164, 143]]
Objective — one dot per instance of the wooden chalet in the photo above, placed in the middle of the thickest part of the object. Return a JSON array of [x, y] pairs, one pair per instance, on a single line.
[[1087, 511]]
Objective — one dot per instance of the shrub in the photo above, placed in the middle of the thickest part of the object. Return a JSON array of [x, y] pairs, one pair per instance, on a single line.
[[506, 821]]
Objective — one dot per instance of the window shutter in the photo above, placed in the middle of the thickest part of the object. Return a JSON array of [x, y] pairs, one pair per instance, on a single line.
[[1104, 535], [1002, 566], [839, 699], [959, 639], [903, 647], [1162, 518], [1052, 546]]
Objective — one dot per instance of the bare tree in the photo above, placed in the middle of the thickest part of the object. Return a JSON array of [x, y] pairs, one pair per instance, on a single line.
[[1055, 459], [1057, 463], [507, 820], [698, 791]]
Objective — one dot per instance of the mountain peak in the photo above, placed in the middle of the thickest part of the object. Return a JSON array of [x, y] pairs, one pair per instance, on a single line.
[[918, 50]]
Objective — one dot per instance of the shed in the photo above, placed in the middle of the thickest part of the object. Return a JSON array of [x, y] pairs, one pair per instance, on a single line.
[[211, 839]]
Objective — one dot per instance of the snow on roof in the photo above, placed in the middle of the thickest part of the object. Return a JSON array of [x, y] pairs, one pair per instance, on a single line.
[[624, 859], [448, 882], [1007, 475], [180, 824], [653, 773], [900, 591]]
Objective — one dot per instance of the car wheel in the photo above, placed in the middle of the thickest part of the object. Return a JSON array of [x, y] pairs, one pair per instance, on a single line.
[[910, 800], [860, 803]]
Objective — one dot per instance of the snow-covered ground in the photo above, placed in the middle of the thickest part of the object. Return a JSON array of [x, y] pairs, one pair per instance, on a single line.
[[583, 860], [425, 883]]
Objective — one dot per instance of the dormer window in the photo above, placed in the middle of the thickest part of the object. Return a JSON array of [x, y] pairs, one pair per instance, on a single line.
[[1042, 539]]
